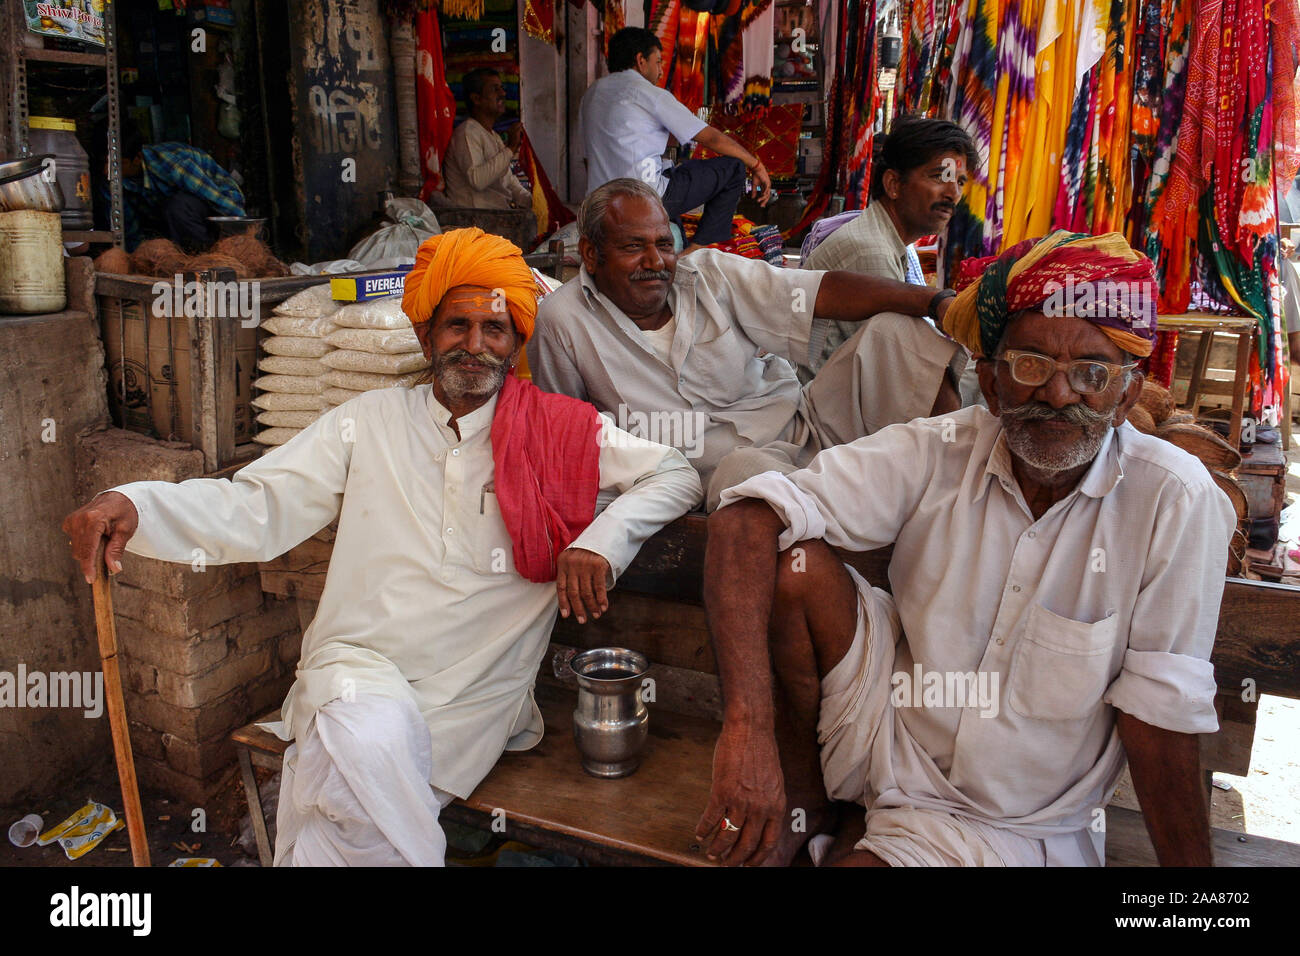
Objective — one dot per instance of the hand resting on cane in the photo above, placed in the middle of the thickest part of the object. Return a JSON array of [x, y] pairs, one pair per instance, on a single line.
[[109, 516]]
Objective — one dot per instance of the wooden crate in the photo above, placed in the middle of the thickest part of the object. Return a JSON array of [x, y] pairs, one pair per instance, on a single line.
[[187, 378]]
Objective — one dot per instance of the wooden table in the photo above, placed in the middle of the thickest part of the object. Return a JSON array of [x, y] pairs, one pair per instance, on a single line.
[[1206, 324]]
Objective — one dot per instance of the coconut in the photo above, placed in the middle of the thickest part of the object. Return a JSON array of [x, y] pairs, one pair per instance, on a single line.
[[113, 260], [215, 260], [254, 253], [159, 257]]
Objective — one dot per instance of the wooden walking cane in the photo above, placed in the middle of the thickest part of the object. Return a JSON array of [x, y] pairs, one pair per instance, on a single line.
[[107, 632]]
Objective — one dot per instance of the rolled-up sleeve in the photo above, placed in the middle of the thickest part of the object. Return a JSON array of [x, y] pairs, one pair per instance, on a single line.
[[773, 306], [1166, 678], [825, 500]]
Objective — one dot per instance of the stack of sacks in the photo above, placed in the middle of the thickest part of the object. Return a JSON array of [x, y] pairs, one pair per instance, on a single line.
[[373, 347], [290, 396]]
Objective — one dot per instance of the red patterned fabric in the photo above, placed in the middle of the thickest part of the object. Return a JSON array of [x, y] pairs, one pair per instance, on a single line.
[[435, 105], [539, 19], [546, 450], [771, 134]]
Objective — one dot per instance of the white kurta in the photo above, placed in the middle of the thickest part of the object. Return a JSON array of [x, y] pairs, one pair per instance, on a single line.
[[422, 599], [1107, 602]]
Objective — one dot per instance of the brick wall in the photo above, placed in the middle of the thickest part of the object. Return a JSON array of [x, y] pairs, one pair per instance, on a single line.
[[203, 651]]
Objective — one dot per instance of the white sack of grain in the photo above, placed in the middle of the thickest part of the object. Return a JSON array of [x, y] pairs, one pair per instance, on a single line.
[[289, 402], [351, 361], [384, 312], [310, 303], [288, 419], [314, 327], [290, 365], [298, 346], [375, 340], [275, 436], [365, 381], [298, 384]]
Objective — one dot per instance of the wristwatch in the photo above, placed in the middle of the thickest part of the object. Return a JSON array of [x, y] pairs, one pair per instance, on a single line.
[[934, 302]]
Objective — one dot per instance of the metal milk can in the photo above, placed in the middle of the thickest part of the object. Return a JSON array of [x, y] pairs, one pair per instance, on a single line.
[[611, 719]]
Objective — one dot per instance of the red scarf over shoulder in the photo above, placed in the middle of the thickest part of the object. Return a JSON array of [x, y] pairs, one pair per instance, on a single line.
[[546, 450]]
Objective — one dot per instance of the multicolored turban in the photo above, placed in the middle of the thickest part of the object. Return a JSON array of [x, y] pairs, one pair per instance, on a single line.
[[470, 257], [1098, 278]]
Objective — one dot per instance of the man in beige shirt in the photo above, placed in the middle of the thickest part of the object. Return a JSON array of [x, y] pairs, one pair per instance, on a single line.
[[1056, 578], [477, 165], [917, 179], [698, 350]]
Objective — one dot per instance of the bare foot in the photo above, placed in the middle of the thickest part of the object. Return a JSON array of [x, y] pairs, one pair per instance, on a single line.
[[818, 819], [689, 249]]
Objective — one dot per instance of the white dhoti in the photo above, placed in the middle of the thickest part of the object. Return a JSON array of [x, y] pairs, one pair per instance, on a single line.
[[861, 755], [355, 789]]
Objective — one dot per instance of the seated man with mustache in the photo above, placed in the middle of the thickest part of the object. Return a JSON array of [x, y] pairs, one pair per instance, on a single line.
[[1043, 548], [465, 512], [916, 181], [706, 343]]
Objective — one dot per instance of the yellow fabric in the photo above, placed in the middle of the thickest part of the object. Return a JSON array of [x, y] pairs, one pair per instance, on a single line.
[[470, 257]]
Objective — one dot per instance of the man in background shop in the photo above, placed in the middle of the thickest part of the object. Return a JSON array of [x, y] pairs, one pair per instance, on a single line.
[[917, 179], [170, 190], [626, 119], [477, 166]]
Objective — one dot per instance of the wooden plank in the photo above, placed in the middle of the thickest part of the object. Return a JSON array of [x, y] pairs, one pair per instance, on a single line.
[[671, 563], [1127, 844], [649, 815], [94, 58], [667, 632], [258, 740], [1258, 638]]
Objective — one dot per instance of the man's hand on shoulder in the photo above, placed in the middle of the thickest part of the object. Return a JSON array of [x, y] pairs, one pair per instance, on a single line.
[[109, 515], [580, 584]]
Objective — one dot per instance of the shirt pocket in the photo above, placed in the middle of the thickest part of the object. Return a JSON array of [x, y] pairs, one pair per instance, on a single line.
[[1061, 667], [492, 551]]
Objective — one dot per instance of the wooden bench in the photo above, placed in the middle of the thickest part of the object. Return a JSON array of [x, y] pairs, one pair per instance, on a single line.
[[543, 797]]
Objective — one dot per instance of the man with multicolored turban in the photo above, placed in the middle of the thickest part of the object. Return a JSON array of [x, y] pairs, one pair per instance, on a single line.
[[1055, 577], [466, 510]]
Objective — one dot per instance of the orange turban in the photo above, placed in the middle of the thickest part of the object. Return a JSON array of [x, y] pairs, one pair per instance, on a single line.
[[470, 257]]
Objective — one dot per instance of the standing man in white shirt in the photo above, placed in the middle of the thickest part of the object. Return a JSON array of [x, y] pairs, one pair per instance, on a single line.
[[626, 119], [477, 167], [465, 518], [1056, 579]]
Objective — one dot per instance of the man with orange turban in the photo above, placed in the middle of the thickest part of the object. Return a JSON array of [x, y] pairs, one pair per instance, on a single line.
[[1056, 577], [466, 519]]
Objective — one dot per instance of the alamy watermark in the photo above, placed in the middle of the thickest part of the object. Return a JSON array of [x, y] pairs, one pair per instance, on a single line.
[[680, 429], [1132, 301], [921, 688], [82, 690], [238, 299]]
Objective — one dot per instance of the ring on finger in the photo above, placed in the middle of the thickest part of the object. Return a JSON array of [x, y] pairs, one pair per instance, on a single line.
[[729, 826]]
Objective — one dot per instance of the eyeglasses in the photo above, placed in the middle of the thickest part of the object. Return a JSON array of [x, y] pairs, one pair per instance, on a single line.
[[1086, 376]]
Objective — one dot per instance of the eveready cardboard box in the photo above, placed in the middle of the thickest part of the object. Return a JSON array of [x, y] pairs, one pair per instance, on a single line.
[[360, 288]]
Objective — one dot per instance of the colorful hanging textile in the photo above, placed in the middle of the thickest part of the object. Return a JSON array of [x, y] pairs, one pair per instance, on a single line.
[[771, 134], [462, 9], [538, 18], [613, 19], [690, 57], [850, 115], [758, 52], [663, 24], [435, 105]]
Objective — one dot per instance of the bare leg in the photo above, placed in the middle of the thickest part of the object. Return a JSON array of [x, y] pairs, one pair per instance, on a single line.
[[690, 248], [948, 399], [814, 618], [842, 852]]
